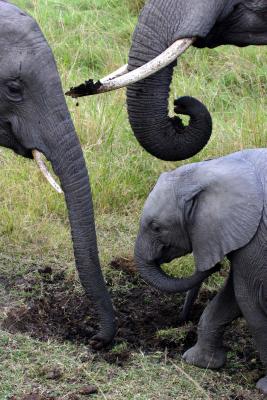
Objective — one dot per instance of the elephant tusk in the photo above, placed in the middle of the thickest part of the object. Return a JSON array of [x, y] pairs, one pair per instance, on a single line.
[[119, 72], [40, 162], [118, 79]]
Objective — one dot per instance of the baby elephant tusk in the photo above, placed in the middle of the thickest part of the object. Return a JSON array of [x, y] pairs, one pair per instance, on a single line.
[[40, 162], [122, 78]]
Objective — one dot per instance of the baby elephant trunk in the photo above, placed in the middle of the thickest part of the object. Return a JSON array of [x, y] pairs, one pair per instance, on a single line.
[[153, 274]]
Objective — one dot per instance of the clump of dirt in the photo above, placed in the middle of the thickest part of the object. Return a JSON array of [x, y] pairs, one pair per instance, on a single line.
[[124, 264], [144, 317], [87, 390], [87, 88]]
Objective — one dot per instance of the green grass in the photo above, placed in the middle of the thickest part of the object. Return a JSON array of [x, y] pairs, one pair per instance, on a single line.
[[90, 38], [26, 365]]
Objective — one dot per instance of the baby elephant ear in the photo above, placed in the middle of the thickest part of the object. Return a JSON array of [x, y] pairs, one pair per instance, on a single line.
[[226, 211]]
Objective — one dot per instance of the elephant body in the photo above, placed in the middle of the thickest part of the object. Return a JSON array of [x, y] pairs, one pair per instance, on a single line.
[[214, 209], [34, 116]]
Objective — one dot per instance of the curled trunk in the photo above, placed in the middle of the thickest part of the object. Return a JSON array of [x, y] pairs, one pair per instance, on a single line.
[[155, 276], [164, 137]]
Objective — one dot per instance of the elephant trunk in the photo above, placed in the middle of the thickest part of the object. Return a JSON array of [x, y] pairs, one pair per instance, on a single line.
[[151, 271], [69, 164], [164, 137], [155, 276]]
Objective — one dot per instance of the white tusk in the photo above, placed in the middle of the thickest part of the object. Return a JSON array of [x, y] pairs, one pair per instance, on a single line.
[[153, 66], [120, 78], [119, 72], [40, 162]]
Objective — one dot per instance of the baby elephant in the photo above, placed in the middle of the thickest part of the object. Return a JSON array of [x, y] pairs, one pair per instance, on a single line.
[[214, 209]]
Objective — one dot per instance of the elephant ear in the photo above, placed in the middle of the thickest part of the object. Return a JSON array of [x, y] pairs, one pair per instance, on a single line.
[[225, 208]]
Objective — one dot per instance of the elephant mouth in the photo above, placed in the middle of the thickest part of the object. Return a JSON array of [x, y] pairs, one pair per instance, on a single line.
[[27, 153], [169, 254], [8, 139], [39, 159]]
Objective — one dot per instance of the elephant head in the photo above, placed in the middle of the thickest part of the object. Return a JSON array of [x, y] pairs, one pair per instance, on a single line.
[[34, 116], [165, 29], [209, 208]]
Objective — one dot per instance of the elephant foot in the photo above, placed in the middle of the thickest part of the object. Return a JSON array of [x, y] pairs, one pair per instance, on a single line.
[[262, 385], [97, 342], [205, 358]]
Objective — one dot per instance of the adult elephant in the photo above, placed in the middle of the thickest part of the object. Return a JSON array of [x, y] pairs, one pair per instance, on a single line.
[[175, 25], [34, 116]]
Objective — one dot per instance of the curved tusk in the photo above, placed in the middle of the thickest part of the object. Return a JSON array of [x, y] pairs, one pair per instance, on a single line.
[[119, 72], [116, 81], [40, 162]]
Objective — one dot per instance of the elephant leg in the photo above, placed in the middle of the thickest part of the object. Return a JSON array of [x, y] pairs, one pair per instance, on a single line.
[[191, 296], [251, 295], [209, 352]]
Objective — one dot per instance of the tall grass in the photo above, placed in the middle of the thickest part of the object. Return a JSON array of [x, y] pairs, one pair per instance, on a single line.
[[89, 39]]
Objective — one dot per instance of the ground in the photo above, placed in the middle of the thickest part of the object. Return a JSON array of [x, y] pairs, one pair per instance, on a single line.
[[46, 354], [46, 320]]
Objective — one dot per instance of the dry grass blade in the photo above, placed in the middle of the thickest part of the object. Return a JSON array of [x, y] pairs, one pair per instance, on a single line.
[[192, 380]]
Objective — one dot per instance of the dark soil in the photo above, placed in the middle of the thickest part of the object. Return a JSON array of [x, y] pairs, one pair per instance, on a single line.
[[56, 310]]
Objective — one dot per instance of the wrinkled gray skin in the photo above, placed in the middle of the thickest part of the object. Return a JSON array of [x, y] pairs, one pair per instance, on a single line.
[[34, 115], [214, 209], [213, 23], [190, 298]]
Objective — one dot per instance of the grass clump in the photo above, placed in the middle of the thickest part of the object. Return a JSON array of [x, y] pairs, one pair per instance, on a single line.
[[174, 335]]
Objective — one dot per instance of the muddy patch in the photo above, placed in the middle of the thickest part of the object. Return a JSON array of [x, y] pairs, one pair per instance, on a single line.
[[147, 319], [56, 310]]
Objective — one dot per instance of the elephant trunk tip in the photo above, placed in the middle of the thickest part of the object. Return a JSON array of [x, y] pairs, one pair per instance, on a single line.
[[191, 106]]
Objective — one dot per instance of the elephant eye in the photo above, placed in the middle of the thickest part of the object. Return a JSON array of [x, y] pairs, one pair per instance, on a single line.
[[155, 227], [14, 90]]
